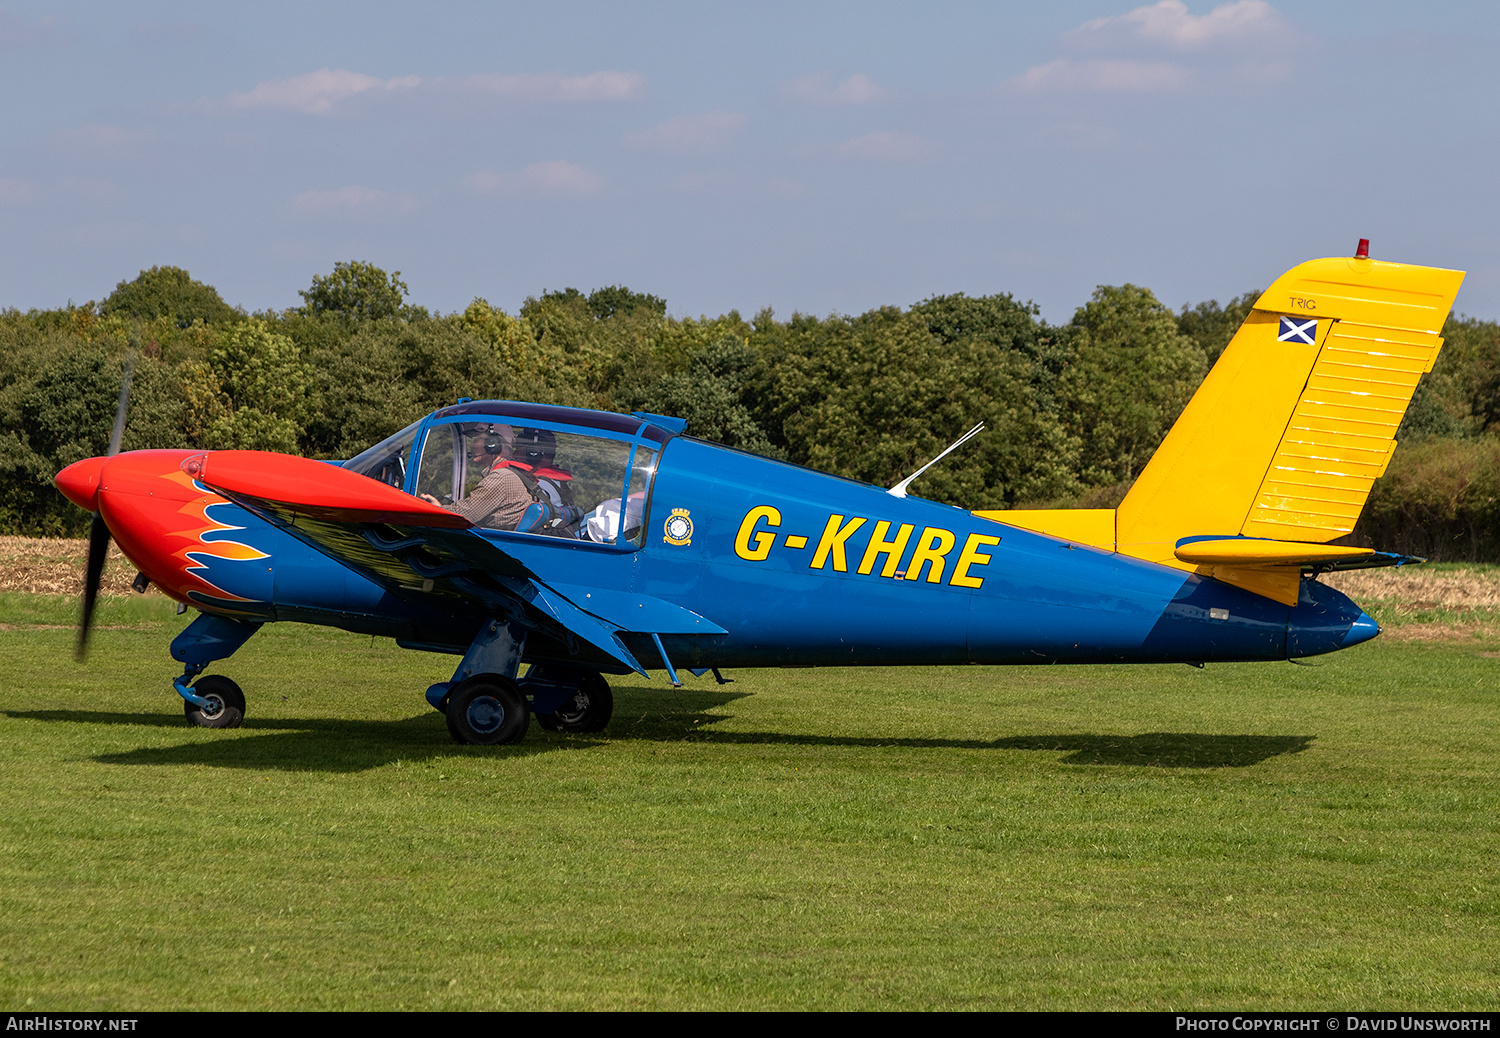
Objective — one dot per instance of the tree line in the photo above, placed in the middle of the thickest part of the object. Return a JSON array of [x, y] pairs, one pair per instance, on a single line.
[[1073, 410]]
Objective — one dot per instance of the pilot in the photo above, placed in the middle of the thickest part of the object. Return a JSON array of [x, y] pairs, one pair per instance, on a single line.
[[503, 495]]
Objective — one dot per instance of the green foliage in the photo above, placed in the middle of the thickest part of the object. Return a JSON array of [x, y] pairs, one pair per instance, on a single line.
[[1132, 374], [875, 397], [617, 300], [604, 303], [999, 321], [252, 393], [1461, 395], [358, 291], [1072, 412], [1439, 499], [1211, 326], [710, 395], [172, 293]]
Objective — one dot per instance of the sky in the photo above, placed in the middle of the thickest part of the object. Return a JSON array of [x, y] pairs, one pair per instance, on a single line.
[[813, 157]]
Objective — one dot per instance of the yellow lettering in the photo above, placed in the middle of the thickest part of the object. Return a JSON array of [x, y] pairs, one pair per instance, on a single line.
[[763, 540], [933, 546], [833, 539], [892, 550], [972, 556]]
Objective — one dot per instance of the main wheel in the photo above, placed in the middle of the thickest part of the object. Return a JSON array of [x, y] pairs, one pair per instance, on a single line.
[[487, 710], [588, 711], [225, 707]]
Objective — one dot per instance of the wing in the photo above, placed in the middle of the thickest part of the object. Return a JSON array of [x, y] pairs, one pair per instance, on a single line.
[[422, 551]]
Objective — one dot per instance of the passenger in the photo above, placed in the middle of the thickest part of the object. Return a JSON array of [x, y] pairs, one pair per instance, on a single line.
[[503, 495], [536, 453]]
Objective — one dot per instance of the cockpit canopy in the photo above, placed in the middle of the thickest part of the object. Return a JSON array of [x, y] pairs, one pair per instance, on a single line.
[[527, 468]]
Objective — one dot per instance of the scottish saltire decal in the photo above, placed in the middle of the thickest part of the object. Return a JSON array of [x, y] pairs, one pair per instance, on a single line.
[[1298, 329]]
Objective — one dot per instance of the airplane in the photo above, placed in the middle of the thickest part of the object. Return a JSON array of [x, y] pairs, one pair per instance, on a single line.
[[550, 548]]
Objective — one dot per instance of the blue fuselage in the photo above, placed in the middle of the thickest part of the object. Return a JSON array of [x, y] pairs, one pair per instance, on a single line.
[[806, 569]]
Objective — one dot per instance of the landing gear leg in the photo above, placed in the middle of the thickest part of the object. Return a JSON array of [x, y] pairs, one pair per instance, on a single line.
[[213, 701], [482, 703]]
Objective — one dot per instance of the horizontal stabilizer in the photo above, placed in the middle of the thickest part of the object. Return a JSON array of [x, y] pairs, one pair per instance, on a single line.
[[1256, 551], [1092, 526]]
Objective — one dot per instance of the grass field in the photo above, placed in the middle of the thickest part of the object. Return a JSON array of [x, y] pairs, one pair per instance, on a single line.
[[1244, 836]]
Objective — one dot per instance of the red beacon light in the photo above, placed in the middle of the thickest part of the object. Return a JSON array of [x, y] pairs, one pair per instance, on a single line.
[[1363, 249]]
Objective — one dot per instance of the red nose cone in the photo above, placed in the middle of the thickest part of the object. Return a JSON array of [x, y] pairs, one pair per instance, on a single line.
[[79, 483]]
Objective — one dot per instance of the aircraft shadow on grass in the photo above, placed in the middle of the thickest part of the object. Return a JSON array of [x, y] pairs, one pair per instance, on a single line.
[[348, 745], [1151, 749]]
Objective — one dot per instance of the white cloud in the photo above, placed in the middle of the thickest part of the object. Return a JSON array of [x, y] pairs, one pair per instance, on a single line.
[[884, 146], [1112, 76], [551, 86], [316, 92], [1163, 48], [820, 89], [545, 179], [354, 200], [704, 134], [1168, 24]]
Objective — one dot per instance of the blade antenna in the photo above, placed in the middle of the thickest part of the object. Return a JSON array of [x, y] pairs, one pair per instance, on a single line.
[[899, 490]]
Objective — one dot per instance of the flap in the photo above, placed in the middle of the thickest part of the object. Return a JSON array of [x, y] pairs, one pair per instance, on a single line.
[[639, 613]]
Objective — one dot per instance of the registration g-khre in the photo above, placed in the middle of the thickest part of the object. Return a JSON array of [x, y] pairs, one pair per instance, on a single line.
[[549, 547]]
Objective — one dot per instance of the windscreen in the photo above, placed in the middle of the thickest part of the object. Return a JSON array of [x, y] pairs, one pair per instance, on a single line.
[[387, 460]]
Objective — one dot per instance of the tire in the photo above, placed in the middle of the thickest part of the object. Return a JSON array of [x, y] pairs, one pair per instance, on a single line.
[[588, 711], [226, 703], [487, 710]]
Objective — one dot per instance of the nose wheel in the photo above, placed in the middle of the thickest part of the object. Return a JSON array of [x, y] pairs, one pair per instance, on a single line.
[[222, 706]]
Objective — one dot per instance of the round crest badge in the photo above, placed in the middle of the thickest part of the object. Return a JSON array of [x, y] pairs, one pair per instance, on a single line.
[[678, 528]]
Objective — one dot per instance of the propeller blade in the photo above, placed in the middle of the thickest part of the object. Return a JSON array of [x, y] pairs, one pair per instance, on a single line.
[[98, 531], [119, 430], [98, 548]]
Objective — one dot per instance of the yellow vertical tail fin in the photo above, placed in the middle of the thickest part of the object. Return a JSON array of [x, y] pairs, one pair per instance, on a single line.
[[1291, 427], [1298, 418]]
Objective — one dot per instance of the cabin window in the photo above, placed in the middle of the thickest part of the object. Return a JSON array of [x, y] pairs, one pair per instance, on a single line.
[[504, 475]]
